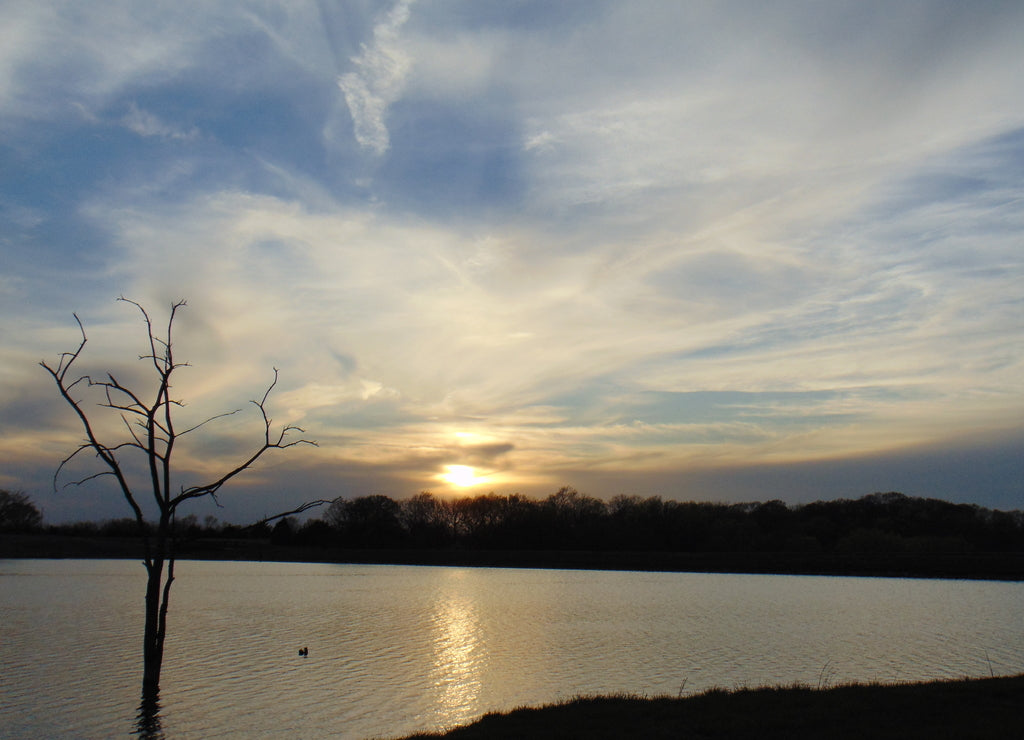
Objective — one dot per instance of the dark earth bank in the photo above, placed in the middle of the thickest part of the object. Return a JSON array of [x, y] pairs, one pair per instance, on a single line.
[[982, 708]]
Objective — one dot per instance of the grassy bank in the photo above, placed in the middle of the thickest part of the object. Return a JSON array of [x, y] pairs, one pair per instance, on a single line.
[[979, 708]]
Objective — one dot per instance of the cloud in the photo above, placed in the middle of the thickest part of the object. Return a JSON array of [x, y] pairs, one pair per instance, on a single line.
[[720, 320], [381, 72], [89, 56], [635, 238], [147, 124], [769, 108]]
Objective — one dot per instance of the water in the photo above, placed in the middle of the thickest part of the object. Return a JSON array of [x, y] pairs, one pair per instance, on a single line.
[[395, 649]]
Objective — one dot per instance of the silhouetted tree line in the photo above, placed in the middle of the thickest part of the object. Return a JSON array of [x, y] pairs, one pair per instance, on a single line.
[[185, 529], [570, 520]]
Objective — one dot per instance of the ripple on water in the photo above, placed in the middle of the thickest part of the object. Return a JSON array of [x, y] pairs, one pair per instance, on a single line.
[[395, 649]]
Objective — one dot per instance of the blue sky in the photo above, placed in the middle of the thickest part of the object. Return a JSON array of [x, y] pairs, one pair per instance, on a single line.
[[715, 251]]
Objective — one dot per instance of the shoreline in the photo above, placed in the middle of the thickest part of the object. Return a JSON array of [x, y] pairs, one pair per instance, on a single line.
[[964, 708], [1005, 566]]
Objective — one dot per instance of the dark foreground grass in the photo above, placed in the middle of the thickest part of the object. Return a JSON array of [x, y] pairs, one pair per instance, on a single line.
[[979, 708]]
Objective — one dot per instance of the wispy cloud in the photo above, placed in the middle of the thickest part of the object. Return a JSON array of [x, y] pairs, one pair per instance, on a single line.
[[145, 123], [641, 238], [381, 69]]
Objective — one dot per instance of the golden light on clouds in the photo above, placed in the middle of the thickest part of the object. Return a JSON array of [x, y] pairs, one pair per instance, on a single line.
[[573, 322]]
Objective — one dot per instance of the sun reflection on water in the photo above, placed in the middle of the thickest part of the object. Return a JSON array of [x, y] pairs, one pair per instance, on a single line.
[[459, 658]]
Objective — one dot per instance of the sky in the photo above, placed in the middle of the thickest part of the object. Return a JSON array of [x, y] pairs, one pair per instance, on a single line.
[[732, 251]]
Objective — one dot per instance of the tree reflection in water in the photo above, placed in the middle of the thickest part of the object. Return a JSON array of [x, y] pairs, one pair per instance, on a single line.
[[147, 722]]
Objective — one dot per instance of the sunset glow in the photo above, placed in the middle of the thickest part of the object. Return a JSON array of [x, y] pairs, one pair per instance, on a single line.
[[460, 475], [730, 250]]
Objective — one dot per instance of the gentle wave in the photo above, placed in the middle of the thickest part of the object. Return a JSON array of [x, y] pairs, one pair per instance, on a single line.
[[396, 649]]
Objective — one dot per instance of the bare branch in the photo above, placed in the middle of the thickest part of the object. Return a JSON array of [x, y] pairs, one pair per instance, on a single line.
[[269, 443], [84, 379], [207, 421], [67, 359], [114, 385], [131, 430], [122, 445], [66, 460], [211, 488], [304, 507], [86, 479], [121, 407], [270, 388], [149, 331], [59, 375]]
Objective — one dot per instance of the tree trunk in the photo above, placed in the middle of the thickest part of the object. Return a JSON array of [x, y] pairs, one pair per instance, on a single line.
[[153, 635]]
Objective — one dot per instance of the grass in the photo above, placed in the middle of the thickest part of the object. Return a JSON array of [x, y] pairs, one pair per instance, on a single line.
[[968, 708]]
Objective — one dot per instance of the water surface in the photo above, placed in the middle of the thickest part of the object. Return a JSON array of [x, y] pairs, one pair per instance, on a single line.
[[394, 649]]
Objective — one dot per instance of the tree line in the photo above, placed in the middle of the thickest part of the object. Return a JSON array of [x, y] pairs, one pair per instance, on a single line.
[[570, 520]]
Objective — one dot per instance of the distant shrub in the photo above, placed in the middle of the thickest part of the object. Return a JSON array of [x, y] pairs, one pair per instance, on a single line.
[[18, 513]]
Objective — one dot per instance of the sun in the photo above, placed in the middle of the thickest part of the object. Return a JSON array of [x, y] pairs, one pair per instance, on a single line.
[[460, 475]]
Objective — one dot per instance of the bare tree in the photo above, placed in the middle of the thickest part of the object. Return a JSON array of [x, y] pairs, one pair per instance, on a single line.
[[149, 437]]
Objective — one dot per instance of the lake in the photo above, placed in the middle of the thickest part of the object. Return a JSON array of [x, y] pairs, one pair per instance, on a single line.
[[395, 649]]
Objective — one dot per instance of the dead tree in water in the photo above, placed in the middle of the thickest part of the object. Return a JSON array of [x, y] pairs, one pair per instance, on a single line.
[[150, 436]]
